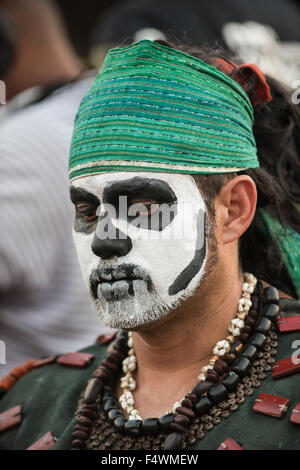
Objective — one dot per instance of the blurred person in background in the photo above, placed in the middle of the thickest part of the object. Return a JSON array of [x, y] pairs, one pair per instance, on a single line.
[[266, 33], [7, 44], [43, 58], [44, 307]]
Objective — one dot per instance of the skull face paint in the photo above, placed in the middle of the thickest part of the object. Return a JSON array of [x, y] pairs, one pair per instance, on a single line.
[[142, 262]]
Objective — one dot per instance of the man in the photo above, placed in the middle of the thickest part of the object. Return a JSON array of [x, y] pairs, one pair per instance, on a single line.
[[44, 55], [159, 164], [266, 34], [41, 299]]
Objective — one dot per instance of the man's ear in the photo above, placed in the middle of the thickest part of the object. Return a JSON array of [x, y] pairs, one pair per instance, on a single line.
[[235, 208]]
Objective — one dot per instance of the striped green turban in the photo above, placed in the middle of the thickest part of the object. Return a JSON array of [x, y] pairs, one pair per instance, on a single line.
[[154, 108]]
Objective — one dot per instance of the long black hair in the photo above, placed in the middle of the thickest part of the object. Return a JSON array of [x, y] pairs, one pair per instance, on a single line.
[[277, 133]]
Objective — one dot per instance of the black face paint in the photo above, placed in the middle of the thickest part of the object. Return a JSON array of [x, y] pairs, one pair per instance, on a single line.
[[81, 196], [143, 189], [125, 272], [185, 277], [78, 195]]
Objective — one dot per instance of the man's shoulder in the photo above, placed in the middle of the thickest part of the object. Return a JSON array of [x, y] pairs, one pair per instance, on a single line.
[[47, 396], [50, 118], [254, 430]]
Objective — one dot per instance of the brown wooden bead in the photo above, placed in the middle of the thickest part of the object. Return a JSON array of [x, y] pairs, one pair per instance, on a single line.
[[250, 321], [211, 376], [84, 420], [177, 427], [77, 443], [81, 427], [187, 403], [110, 364], [91, 406], [120, 344], [182, 410], [192, 396], [116, 356], [229, 358], [181, 419], [222, 364], [253, 314], [244, 337], [81, 435], [247, 329], [89, 413], [92, 390], [101, 373], [218, 369]]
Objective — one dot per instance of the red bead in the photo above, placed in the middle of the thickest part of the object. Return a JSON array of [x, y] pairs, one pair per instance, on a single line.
[[285, 367], [44, 443], [271, 405], [295, 416], [10, 418], [75, 359], [230, 444], [106, 339], [286, 324]]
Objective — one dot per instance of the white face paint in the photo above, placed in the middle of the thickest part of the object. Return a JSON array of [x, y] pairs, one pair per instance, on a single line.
[[141, 278]]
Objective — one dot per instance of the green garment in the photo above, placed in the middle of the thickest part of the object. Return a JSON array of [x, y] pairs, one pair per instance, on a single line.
[[49, 397]]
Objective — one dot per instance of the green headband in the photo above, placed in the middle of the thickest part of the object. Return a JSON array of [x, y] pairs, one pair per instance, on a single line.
[[154, 108]]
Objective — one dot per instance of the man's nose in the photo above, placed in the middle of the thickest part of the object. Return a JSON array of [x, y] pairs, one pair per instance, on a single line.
[[110, 247]]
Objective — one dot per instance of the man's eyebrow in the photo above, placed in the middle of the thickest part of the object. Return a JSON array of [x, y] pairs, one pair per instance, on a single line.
[[82, 195], [141, 187]]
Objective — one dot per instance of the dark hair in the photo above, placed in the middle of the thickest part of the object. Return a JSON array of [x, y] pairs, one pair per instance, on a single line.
[[277, 133]]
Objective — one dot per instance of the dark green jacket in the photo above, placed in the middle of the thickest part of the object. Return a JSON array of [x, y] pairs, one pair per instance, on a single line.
[[49, 397]]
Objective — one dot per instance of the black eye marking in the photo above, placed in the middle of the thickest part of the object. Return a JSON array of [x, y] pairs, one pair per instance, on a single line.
[[87, 209], [185, 277], [151, 203]]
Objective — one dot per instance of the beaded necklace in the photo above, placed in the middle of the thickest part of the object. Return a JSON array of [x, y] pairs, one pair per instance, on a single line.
[[128, 383], [101, 424]]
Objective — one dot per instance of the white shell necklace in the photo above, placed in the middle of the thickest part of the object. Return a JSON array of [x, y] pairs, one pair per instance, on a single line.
[[129, 364]]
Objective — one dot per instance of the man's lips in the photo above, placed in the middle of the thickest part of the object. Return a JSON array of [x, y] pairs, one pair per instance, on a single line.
[[113, 275], [116, 290], [117, 283]]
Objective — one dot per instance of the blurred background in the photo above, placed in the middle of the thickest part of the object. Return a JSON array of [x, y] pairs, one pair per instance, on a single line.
[[50, 50]]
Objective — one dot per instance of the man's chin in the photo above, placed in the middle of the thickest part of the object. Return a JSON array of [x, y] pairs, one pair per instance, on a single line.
[[130, 312]]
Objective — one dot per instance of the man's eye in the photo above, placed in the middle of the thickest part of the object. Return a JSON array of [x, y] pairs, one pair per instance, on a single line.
[[88, 212], [145, 208]]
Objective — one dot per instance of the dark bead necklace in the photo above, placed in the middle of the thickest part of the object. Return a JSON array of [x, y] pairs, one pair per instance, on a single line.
[[100, 423]]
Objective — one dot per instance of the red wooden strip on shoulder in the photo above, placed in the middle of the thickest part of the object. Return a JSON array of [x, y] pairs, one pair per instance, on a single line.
[[286, 324], [10, 418], [43, 362], [295, 416], [229, 444], [106, 339], [44, 443], [285, 367], [271, 405], [75, 359]]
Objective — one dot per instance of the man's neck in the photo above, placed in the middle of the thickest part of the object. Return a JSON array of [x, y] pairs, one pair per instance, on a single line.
[[170, 355]]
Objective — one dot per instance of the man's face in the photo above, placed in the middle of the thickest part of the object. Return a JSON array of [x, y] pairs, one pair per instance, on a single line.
[[141, 243]]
